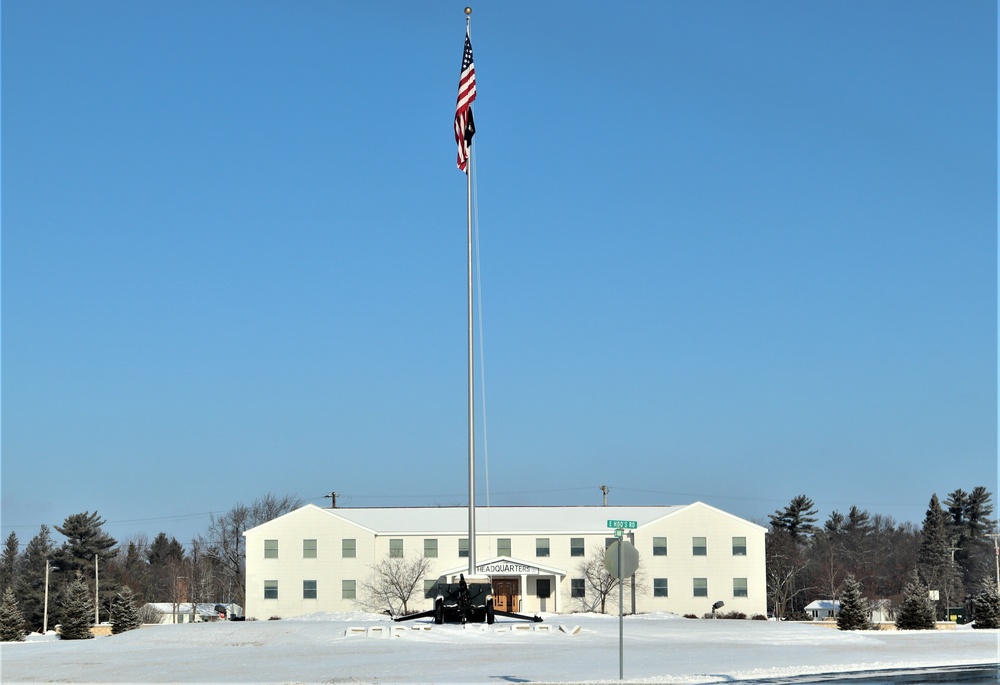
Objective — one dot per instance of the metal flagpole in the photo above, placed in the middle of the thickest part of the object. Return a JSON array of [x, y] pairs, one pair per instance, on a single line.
[[472, 413]]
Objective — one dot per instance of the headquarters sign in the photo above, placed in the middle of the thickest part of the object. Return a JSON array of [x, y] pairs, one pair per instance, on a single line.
[[498, 567]]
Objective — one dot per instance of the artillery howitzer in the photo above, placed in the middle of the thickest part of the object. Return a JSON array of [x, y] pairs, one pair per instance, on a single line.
[[465, 602]]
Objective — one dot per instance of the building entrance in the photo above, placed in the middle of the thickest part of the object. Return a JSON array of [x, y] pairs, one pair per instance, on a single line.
[[506, 594]]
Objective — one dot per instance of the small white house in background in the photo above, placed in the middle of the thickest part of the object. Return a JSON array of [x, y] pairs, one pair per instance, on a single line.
[[823, 608], [879, 610], [185, 612], [690, 557]]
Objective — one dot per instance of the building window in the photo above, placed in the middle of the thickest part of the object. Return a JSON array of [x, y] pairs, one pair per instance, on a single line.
[[543, 588], [463, 547], [577, 587], [503, 547], [349, 589], [270, 589], [659, 547], [349, 549], [308, 589], [270, 549], [699, 547], [430, 548], [701, 587], [308, 549], [739, 587], [396, 548], [576, 547], [541, 547], [659, 587], [739, 547]]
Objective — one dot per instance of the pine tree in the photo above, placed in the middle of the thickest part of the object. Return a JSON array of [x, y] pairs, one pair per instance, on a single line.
[[29, 586], [986, 607], [934, 560], [11, 620], [917, 612], [8, 562], [798, 519], [78, 612], [124, 614], [853, 607], [85, 540]]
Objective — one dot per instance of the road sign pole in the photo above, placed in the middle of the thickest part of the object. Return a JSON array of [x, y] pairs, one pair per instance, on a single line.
[[621, 617]]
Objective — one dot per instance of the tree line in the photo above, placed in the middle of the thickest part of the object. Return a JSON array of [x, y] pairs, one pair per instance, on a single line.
[[952, 554], [211, 569]]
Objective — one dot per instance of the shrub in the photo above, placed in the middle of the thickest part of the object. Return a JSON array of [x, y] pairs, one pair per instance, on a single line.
[[758, 617], [986, 607], [798, 615], [690, 616]]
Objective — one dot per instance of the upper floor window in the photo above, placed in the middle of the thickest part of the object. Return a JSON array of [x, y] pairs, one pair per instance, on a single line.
[[503, 547], [270, 549], [396, 547], [699, 547], [349, 548], [541, 547], [739, 547], [308, 549], [576, 548], [659, 547], [430, 548]]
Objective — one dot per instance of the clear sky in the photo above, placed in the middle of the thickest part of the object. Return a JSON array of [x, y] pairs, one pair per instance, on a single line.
[[730, 252]]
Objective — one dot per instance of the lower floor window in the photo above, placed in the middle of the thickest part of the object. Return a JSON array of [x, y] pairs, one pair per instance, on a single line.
[[659, 587], [577, 587], [349, 589], [308, 589], [270, 589], [701, 587], [739, 587]]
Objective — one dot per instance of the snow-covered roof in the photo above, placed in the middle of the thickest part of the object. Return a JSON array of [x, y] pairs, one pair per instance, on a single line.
[[202, 608], [501, 520], [821, 604]]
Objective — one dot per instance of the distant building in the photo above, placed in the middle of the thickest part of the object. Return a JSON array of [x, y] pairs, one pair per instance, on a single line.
[[691, 556], [823, 608], [184, 612]]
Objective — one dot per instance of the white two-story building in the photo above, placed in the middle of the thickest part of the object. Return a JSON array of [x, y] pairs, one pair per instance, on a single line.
[[690, 557]]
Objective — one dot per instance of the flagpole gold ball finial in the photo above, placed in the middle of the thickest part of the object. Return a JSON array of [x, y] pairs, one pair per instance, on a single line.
[[468, 10]]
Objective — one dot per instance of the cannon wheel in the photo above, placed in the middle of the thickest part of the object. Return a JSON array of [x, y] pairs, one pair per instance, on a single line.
[[438, 611]]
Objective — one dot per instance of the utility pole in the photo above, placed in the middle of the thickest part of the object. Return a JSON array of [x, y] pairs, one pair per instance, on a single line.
[[996, 555], [97, 595], [333, 499], [605, 489]]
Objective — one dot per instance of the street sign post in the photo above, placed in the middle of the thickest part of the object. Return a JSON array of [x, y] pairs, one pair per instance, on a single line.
[[621, 559]]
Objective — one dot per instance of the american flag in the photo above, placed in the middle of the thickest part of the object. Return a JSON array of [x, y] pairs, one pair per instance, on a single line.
[[465, 127]]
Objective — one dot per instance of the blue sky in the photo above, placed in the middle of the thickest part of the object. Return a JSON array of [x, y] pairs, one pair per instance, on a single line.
[[730, 252]]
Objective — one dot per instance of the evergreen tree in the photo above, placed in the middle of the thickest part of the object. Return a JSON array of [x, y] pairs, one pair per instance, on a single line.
[[986, 607], [8, 563], [917, 611], [853, 607], [934, 560], [78, 612], [29, 586], [798, 519], [124, 613], [11, 620], [84, 541]]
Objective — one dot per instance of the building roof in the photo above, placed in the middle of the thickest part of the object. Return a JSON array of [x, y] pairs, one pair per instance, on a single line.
[[502, 520], [823, 604]]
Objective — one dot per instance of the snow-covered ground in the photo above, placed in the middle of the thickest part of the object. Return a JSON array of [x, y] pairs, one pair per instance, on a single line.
[[366, 648]]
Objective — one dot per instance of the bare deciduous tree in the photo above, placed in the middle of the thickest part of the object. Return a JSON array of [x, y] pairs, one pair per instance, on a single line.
[[225, 541], [393, 583], [601, 585]]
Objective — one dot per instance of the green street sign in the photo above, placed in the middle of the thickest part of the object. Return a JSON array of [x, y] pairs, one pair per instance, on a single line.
[[623, 524], [619, 532]]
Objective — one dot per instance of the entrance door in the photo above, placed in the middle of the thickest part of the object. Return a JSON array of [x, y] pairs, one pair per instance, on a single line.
[[506, 593]]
